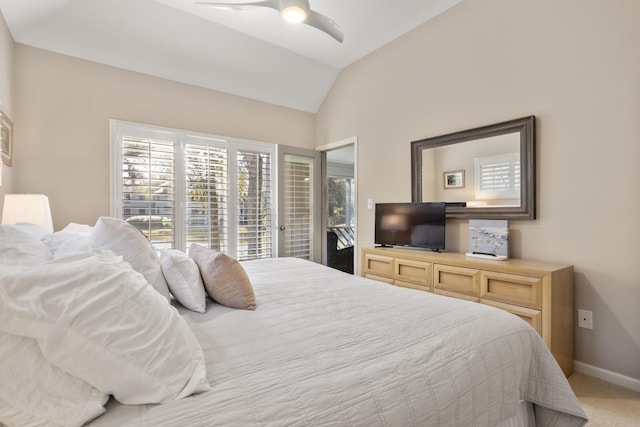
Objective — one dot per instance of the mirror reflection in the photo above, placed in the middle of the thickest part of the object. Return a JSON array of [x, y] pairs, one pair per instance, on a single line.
[[485, 172]]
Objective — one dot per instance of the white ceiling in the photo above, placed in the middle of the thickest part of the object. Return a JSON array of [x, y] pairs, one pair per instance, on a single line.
[[251, 53]]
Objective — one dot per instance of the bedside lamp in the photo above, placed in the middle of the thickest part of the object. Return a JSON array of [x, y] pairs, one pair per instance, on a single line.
[[32, 208]]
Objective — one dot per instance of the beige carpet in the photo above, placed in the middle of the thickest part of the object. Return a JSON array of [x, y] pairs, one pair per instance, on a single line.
[[606, 404]]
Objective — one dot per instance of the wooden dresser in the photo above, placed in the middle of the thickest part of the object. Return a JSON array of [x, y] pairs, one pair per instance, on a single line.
[[539, 292]]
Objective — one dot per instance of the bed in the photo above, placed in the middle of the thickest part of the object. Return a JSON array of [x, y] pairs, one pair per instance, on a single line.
[[325, 348]]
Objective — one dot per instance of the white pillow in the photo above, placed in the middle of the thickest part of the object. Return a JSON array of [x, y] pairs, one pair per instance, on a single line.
[[80, 229], [68, 241], [99, 320], [19, 248], [35, 230], [33, 390], [183, 276], [68, 235], [126, 240]]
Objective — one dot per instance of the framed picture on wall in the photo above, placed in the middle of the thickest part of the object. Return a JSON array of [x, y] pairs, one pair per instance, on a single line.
[[453, 179], [6, 138]]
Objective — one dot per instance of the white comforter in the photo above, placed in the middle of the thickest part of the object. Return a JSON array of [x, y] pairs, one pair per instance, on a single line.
[[327, 349]]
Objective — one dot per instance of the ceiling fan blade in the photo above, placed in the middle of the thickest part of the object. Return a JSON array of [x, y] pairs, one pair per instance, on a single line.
[[273, 4], [324, 23]]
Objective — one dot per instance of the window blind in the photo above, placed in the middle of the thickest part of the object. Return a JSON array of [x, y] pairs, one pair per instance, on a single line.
[[147, 195], [180, 189], [298, 206], [206, 205], [254, 205], [498, 177]]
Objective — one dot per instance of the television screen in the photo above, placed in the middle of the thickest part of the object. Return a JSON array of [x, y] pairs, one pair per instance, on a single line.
[[420, 225]]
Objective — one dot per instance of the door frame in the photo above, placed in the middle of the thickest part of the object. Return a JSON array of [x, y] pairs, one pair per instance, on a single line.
[[325, 203]]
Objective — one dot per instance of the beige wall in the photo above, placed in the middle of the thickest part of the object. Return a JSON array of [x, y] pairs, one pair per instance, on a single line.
[[6, 97], [574, 64], [63, 107]]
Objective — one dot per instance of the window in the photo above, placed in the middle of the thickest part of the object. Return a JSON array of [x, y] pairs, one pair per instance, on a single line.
[[206, 186], [179, 188], [341, 200], [498, 177], [254, 205], [147, 191]]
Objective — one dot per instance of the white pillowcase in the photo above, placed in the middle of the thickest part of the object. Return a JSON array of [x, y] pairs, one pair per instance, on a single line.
[[33, 390], [35, 230], [126, 240], [80, 229], [99, 320], [184, 279], [20, 248], [73, 238]]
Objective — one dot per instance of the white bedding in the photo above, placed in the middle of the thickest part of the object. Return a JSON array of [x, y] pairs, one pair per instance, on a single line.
[[324, 348]]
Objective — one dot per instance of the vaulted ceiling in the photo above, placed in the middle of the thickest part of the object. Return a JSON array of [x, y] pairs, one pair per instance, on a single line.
[[251, 53]]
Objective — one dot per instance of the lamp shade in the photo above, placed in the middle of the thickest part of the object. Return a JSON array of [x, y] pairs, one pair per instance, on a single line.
[[31, 208]]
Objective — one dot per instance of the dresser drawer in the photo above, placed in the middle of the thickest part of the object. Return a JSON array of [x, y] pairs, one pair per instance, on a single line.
[[379, 265], [411, 285], [524, 291], [456, 295], [532, 317], [379, 278], [460, 280], [418, 272]]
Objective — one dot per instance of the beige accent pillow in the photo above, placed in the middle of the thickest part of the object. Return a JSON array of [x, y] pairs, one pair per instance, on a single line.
[[224, 278]]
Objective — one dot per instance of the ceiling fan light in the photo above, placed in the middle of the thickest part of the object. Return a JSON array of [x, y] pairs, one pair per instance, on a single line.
[[293, 14]]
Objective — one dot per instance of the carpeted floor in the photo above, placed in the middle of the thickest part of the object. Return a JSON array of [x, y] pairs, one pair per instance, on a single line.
[[606, 404]]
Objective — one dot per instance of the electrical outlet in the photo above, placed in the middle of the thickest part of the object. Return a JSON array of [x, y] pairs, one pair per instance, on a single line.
[[585, 319]]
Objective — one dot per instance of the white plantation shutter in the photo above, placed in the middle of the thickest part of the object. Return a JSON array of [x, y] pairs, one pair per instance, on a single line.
[[206, 198], [147, 196], [254, 205], [181, 189], [498, 177], [298, 206]]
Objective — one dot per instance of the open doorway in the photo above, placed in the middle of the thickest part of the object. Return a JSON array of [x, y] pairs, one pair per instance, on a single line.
[[340, 196]]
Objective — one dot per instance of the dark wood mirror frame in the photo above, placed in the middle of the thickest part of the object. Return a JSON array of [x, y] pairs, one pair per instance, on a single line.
[[525, 126]]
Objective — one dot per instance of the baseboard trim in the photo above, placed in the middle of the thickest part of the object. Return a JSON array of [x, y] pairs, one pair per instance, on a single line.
[[609, 376]]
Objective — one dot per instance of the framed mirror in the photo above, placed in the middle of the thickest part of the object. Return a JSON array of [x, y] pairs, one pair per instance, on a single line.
[[482, 173]]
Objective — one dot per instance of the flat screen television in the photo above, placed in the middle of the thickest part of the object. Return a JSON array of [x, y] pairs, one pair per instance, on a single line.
[[419, 225]]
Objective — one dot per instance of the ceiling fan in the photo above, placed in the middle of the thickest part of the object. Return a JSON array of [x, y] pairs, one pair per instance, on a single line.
[[294, 11]]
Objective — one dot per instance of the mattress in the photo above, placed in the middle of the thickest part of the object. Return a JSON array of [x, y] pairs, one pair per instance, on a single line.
[[324, 348]]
